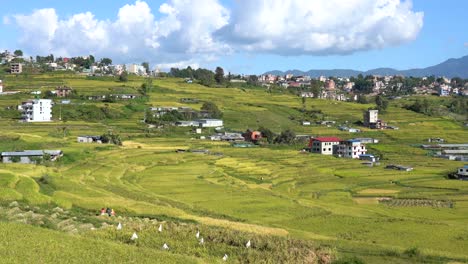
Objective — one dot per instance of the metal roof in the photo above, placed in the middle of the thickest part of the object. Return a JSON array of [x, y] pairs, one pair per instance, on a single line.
[[366, 155], [32, 153], [326, 139]]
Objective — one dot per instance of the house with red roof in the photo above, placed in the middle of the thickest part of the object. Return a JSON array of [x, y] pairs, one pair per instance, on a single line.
[[323, 145]]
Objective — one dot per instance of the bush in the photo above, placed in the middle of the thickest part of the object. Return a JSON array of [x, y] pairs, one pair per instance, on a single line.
[[212, 109], [286, 137]]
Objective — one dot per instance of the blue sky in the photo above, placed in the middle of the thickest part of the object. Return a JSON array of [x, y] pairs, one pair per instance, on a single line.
[[251, 49]]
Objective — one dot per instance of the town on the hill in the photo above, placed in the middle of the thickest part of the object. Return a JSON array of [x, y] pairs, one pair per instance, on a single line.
[[214, 166]]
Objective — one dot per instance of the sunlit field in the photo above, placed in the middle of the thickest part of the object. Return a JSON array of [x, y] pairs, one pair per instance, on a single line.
[[276, 191]]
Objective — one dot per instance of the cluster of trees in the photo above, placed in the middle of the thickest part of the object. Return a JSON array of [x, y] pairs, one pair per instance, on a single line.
[[111, 138], [457, 105], [204, 76], [147, 86], [209, 108], [363, 85], [423, 106], [212, 110], [45, 59], [123, 77], [381, 102], [105, 62], [286, 137], [83, 62]]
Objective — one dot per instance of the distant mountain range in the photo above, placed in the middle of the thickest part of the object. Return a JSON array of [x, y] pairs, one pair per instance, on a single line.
[[449, 68]]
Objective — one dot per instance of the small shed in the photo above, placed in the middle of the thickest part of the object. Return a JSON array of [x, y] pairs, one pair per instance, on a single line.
[[29, 156], [368, 157], [89, 139]]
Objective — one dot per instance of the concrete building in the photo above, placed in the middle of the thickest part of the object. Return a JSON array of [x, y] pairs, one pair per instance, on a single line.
[[136, 69], [37, 110], [330, 85], [368, 157], [210, 122], [187, 123], [444, 90], [367, 140], [89, 139], [371, 117], [463, 171], [350, 149], [371, 120], [16, 68], [323, 145], [63, 91], [30, 156]]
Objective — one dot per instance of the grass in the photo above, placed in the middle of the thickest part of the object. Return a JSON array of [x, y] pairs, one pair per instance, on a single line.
[[38, 245], [267, 190]]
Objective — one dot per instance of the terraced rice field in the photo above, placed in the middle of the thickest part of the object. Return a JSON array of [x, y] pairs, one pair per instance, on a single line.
[[271, 190]]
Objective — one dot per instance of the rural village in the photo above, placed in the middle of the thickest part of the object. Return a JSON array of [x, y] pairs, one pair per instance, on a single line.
[[107, 159]]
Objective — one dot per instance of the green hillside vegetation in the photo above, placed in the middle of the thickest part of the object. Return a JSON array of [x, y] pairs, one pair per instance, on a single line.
[[274, 193]]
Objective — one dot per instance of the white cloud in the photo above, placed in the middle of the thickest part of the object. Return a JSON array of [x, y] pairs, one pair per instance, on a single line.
[[180, 65], [321, 27], [182, 32], [466, 44]]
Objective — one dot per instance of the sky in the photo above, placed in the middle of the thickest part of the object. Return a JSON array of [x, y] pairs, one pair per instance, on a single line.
[[242, 36]]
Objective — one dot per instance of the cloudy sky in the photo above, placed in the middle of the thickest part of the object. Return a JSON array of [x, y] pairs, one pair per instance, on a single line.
[[243, 36]]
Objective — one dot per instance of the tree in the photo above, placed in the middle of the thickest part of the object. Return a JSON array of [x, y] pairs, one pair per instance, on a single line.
[[286, 137], [267, 133], [18, 53], [111, 138], [423, 107], [123, 77], [381, 102], [252, 80], [106, 61], [362, 99], [147, 86], [219, 75], [172, 116], [146, 66], [212, 109]]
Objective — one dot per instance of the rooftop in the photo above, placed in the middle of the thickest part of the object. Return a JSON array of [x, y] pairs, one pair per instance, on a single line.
[[327, 139], [32, 153]]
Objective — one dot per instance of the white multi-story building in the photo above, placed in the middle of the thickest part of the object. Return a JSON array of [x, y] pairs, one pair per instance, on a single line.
[[350, 149], [371, 117], [16, 68], [323, 145], [136, 69], [37, 110]]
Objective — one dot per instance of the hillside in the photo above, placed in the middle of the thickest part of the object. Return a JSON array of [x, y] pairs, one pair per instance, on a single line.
[[450, 68], [276, 191]]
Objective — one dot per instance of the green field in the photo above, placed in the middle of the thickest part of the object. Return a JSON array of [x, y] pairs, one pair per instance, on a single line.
[[275, 191]]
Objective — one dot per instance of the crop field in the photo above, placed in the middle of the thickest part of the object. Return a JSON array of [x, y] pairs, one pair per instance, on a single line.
[[375, 214]]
